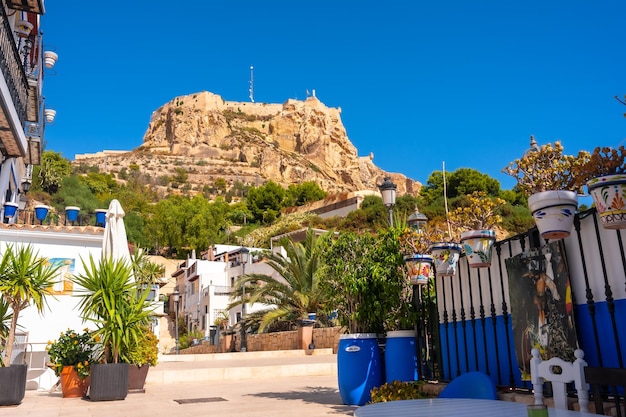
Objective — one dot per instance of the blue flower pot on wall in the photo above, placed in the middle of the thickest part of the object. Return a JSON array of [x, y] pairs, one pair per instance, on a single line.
[[71, 213], [10, 209], [101, 217], [41, 212]]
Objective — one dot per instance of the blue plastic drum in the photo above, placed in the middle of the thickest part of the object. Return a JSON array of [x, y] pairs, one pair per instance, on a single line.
[[358, 367], [400, 356]]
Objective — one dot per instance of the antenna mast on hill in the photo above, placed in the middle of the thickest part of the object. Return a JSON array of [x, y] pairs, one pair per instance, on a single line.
[[251, 83]]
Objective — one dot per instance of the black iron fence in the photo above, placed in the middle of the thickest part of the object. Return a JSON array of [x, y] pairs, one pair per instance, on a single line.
[[486, 319]]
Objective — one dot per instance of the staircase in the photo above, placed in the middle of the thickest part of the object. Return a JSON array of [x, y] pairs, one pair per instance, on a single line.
[[172, 369]]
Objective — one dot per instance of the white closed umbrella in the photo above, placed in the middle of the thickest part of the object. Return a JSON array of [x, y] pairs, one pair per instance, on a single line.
[[115, 243]]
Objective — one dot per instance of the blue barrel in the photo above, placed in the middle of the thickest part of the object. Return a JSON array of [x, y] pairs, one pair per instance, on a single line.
[[358, 367], [400, 356]]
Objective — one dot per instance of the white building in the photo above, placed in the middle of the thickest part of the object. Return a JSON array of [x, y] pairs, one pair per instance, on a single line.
[[206, 287]]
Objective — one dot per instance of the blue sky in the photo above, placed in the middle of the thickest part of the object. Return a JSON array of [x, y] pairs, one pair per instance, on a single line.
[[419, 83]]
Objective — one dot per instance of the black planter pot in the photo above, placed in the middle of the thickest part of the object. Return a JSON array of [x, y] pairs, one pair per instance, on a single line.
[[12, 384], [109, 381]]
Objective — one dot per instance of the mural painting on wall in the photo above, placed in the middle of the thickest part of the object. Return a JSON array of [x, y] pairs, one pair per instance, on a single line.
[[541, 305], [63, 284]]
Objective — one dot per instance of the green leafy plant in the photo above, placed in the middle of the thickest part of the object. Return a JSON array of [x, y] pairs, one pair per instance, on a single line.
[[144, 350], [73, 349], [398, 390], [362, 279], [111, 299], [547, 168]]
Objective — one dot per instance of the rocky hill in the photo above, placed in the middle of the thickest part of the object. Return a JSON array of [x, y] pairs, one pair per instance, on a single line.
[[287, 143]]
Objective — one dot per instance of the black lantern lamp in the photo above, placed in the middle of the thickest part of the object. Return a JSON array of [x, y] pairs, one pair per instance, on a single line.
[[388, 192], [417, 220]]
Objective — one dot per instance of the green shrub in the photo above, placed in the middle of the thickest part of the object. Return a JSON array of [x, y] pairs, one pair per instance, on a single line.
[[398, 390]]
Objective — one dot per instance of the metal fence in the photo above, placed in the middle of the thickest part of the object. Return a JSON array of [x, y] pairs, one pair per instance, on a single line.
[[469, 324]]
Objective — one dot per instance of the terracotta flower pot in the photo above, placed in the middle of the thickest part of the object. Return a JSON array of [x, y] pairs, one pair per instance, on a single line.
[[609, 196], [554, 212], [71, 384]]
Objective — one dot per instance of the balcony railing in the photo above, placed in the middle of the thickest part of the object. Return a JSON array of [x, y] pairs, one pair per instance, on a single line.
[[12, 68], [53, 219]]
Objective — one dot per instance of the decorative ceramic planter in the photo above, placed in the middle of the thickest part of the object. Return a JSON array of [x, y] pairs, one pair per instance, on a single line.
[[477, 245], [445, 257], [41, 212], [10, 209], [609, 196], [553, 212], [419, 267], [71, 213]]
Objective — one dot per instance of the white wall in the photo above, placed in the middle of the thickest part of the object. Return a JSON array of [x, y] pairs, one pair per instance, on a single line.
[[69, 243]]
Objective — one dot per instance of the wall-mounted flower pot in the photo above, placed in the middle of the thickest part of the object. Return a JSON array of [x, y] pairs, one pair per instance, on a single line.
[[445, 257], [49, 114], [553, 212], [23, 28], [71, 213], [50, 58], [41, 212], [609, 196], [101, 217], [10, 209], [477, 245], [419, 267]]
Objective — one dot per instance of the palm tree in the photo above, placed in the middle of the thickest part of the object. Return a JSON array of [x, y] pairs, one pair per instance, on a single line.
[[25, 279], [295, 293], [146, 272]]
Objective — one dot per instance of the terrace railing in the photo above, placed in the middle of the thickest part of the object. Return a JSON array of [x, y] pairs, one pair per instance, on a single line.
[[469, 325]]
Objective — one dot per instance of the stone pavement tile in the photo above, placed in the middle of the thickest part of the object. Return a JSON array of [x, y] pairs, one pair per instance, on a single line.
[[302, 396]]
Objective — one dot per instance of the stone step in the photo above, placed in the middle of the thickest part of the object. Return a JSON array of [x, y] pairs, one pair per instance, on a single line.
[[173, 369]]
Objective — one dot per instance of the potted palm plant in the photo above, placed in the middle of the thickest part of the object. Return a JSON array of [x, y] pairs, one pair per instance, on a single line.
[[477, 218], [113, 301], [605, 173], [25, 279], [548, 178]]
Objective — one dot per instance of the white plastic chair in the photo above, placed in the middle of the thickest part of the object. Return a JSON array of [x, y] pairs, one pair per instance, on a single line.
[[542, 371]]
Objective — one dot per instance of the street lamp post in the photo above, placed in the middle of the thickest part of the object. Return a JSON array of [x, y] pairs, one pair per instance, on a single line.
[[244, 260], [176, 295], [388, 191]]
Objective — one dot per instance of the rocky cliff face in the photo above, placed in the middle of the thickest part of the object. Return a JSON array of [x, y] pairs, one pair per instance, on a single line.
[[253, 142]]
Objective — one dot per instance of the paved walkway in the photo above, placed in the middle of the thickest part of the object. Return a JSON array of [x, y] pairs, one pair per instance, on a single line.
[[298, 396]]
